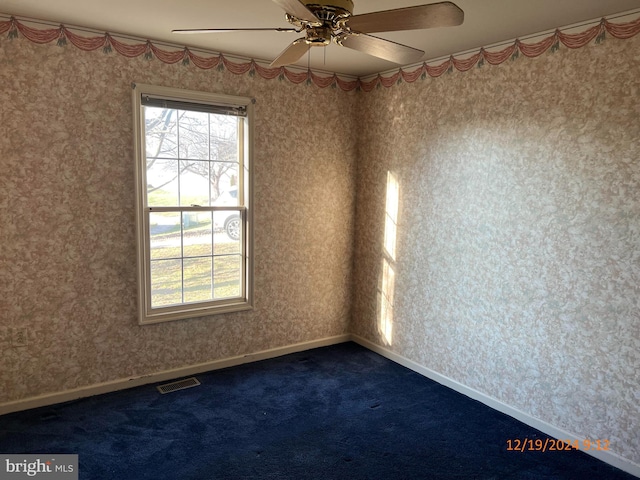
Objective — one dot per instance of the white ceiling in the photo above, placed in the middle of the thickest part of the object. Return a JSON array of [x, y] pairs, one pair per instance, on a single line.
[[486, 22]]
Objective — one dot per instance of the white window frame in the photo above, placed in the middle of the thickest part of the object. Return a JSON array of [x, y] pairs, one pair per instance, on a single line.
[[148, 314]]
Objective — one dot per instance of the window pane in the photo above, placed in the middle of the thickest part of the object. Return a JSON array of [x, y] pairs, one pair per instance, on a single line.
[[224, 184], [194, 135], [164, 230], [197, 279], [166, 282], [228, 275], [224, 138], [227, 238], [194, 183], [161, 132], [228, 231], [197, 236], [162, 183]]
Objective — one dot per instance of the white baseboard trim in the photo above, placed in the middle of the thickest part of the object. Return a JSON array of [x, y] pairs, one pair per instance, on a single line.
[[124, 383], [555, 432]]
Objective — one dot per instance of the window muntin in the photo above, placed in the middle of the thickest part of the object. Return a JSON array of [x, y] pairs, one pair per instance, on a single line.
[[193, 190]]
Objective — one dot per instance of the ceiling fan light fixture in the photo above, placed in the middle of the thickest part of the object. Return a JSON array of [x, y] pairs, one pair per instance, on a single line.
[[324, 21], [318, 36]]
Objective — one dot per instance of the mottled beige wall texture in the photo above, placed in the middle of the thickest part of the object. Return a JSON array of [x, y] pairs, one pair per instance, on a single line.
[[517, 264], [512, 258], [67, 244]]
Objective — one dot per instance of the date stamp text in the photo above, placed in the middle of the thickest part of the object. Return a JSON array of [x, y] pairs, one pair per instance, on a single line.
[[551, 444]]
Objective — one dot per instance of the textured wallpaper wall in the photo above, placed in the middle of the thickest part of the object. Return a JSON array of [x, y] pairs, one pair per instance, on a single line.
[[67, 245], [496, 231], [517, 265]]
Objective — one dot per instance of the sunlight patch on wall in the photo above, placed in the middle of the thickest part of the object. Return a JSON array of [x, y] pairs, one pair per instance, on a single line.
[[387, 284]]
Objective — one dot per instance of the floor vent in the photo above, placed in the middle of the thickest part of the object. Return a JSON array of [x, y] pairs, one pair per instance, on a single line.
[[179, 385]]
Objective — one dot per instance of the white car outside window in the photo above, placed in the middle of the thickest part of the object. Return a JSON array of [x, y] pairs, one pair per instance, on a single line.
[[227, 221]]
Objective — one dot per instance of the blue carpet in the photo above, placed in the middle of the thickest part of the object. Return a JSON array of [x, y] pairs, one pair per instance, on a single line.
[[339, 412]]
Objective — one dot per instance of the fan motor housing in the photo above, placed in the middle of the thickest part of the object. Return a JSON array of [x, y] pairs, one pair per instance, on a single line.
[[318, 36], [331, 4]]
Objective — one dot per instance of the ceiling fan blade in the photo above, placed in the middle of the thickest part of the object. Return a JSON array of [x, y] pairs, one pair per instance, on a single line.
[[297, 9], [444, 14], [292, 53], [381, 48], [224, 30]]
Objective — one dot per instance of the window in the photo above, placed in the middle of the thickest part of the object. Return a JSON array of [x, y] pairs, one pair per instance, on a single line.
[[193, 195]]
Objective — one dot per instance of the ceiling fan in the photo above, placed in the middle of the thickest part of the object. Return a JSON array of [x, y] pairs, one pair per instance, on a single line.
[[324, 21]]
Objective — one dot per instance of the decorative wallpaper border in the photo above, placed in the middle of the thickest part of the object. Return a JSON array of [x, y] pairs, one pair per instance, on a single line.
[[149, 49]]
